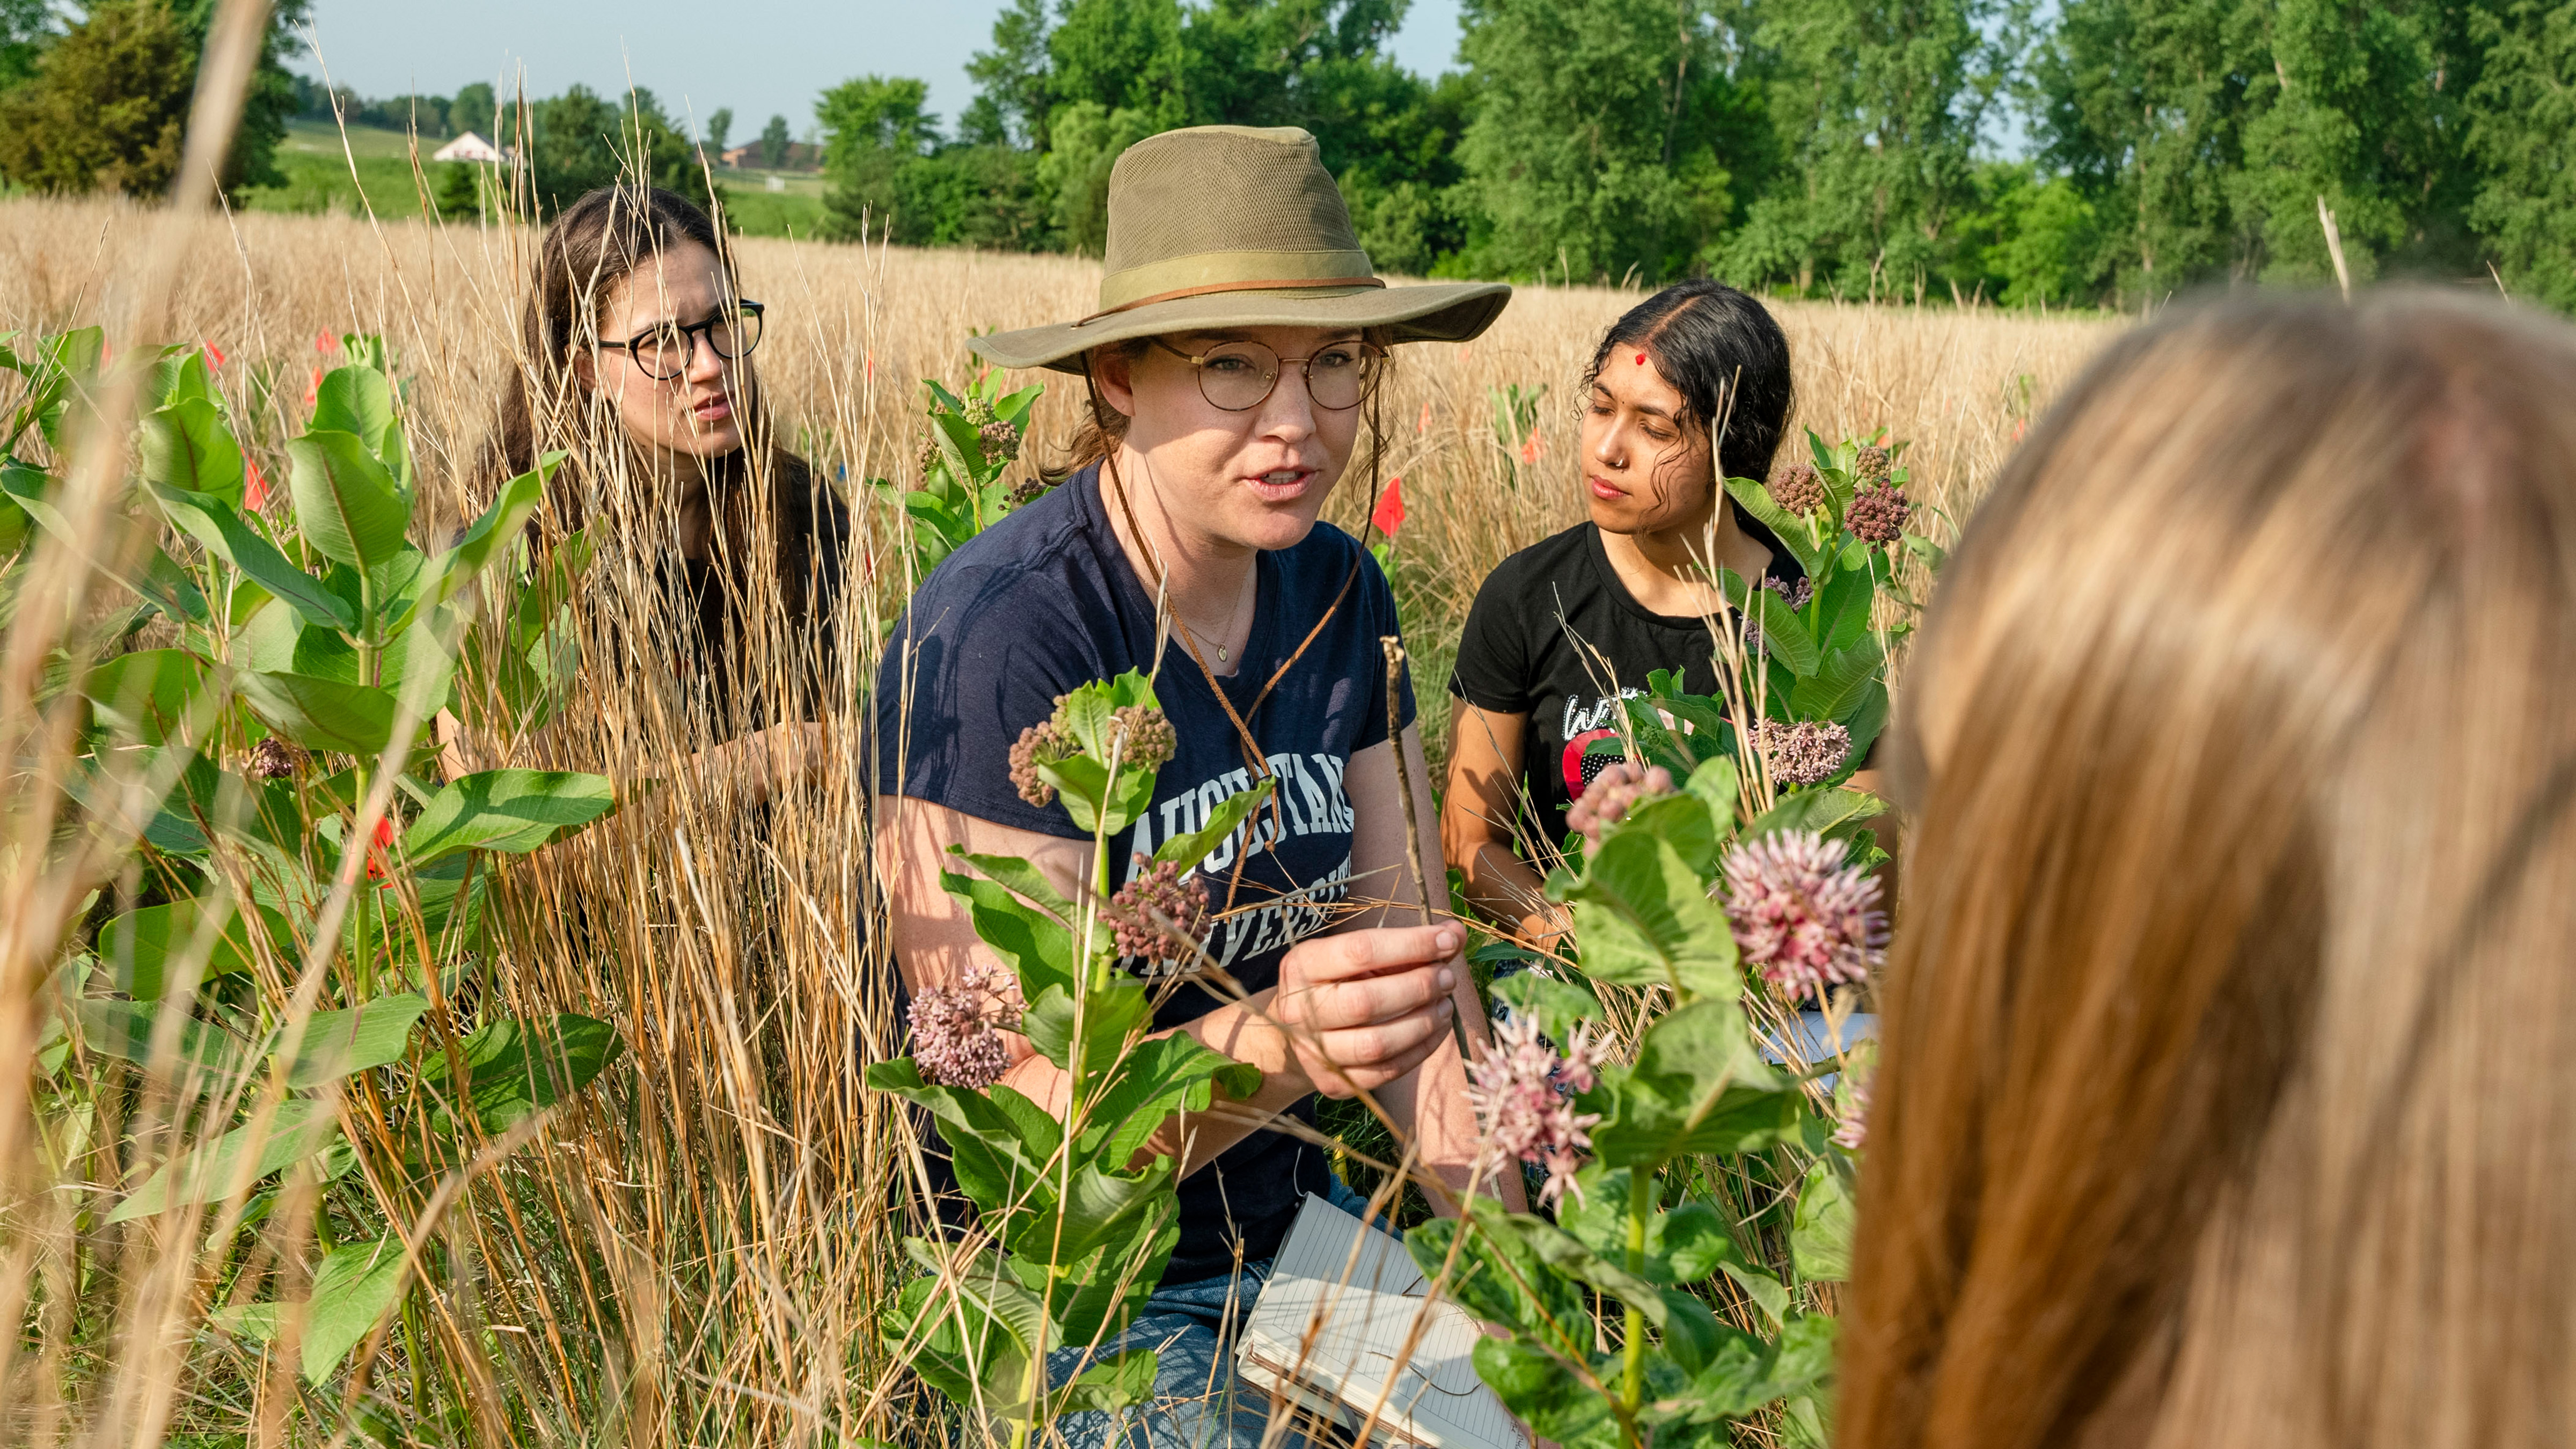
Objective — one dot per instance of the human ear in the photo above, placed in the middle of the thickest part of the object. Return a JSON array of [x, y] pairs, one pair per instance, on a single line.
[[585, 367], [1113, 369]]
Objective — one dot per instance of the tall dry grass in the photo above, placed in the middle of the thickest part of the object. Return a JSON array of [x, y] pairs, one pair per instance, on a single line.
[[696, 1255]]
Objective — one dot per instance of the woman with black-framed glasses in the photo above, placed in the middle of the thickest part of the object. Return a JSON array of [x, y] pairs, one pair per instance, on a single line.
[[637, 364]]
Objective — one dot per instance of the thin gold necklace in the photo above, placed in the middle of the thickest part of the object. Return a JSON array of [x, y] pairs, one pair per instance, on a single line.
[[1250, 581]]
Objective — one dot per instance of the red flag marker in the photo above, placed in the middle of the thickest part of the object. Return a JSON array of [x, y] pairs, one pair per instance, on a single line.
[[254, 486], [214, 354], [1390, 508]]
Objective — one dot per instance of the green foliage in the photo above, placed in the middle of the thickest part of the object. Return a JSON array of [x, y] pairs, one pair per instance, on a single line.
[[582, 142], [2522, 109], [961, 489], [1074, 1229], [1711, 1331], [104, 106], [323, 624]]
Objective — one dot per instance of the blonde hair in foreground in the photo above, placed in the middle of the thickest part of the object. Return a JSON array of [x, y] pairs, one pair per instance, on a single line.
[[2226, 1097]]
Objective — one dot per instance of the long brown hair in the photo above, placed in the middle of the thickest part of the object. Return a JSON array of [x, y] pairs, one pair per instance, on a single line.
[[596, 244], [2226, 1096]]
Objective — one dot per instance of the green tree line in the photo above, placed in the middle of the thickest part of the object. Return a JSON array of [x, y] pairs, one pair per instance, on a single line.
[[1805, 147], [1815, 147]]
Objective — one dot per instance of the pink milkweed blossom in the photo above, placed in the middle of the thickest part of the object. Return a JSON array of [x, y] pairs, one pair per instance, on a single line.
[[1605, 802], [1802, 915], [953, 1040], [1853, 1131], [1803, 753], [1521, 1091], [1158, 891], [1878, 513]]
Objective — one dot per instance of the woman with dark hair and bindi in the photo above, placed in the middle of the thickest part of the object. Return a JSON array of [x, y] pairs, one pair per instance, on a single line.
[[1690, 386], [637, 365]]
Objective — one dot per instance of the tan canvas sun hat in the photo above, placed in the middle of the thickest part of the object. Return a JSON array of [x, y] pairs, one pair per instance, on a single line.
[[1238, 226]]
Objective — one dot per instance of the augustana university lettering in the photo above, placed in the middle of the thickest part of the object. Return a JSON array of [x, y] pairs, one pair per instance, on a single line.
[[1309, 800]]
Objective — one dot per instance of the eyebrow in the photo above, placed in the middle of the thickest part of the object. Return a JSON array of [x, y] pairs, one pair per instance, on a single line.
[[1665, 413]]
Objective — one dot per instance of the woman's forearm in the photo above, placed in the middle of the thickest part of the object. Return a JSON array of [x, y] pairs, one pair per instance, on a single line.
[[1508, 891]]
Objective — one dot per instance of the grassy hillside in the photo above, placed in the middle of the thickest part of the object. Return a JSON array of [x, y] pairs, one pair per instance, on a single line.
[[319, 181]]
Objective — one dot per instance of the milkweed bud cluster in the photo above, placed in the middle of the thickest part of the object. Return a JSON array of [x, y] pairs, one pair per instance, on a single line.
[[1158, 915], [1141, 735], [1797, 489], [1043, 743], [1873, 464], [1878, 513]]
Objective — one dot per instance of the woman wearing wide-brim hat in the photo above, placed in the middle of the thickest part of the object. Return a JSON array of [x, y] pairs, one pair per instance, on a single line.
[[1237, 346]]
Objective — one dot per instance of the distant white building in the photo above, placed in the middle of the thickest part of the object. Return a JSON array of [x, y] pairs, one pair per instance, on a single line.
[[469, 147]]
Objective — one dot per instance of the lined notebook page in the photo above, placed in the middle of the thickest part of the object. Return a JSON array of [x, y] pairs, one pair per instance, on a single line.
[[1334, 1317]]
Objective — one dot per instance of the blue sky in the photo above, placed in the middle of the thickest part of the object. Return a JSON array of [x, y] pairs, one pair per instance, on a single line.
[[761, 59]]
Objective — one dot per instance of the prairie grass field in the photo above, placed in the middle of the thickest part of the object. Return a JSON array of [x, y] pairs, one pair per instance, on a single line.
[[695, 1251]]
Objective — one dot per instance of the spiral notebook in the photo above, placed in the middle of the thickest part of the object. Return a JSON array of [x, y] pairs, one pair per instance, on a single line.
[[1331, 1325]]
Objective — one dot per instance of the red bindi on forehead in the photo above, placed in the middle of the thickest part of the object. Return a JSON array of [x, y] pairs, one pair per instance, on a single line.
[[1641, 359]]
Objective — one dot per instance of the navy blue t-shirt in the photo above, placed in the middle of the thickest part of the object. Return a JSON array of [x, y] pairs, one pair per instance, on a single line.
[[1045, 601]]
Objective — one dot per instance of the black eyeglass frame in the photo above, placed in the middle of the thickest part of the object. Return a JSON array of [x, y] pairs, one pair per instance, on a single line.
[[691, 337], [1305, 372]]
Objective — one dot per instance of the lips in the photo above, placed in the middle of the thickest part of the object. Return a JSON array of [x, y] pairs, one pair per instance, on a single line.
[[1603, 489], [1282, 485], [713, 410]]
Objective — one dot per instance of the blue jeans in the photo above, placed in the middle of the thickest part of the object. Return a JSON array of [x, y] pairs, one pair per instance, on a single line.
[[1197, 1403]]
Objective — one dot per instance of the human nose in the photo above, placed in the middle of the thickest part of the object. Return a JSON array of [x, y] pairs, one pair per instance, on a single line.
[[705, 363], [1289, 411]]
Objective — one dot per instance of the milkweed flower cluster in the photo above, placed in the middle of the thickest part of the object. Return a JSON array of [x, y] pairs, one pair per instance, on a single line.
[[1150, 739], [1803, 753], [954, 1042], [1878, 513], [1606, 800], [1522, 1092], [1802, 915], [1853, 1131], [1043, 743], [274, 759], [1797, 489], [1795, 594], [1873, 463], [1149, 743], [1158, 892]]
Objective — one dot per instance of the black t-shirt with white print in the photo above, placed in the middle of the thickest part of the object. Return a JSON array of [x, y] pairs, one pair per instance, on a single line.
[[1045, 601], [1520, 655]]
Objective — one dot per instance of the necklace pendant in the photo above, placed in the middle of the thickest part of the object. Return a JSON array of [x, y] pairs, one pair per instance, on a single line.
[[1220, 654]]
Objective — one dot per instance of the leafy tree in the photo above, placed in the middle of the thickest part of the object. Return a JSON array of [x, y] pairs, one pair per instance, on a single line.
[[2030, 240], [873, 129], [2522, 120], [26, 27], [719, 126], [583, 142], [1013, 82], [108, 108], [1593, 145], [774, 143], [475, 109], [1875, 105], [1120, 55]]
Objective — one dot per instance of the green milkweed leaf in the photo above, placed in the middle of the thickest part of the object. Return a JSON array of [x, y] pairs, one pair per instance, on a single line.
[[187, 446], [140, 945], [511, 812], [320, 714], [1187, 851], [149, 694], [347, 506], [354, 1289], [519, 1068], [205, 1173], [340, 1043], [212, 522]]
